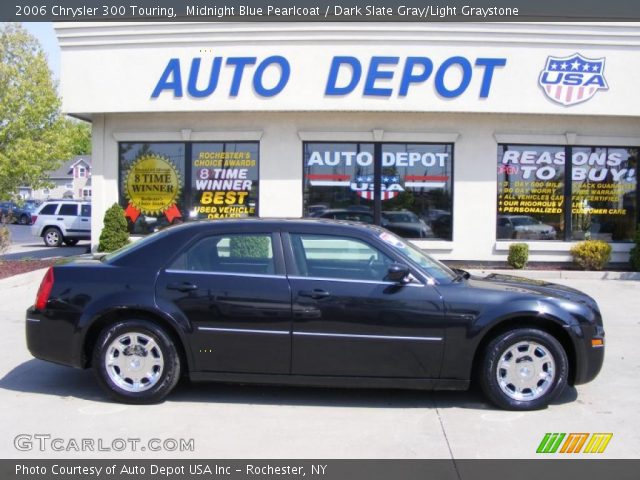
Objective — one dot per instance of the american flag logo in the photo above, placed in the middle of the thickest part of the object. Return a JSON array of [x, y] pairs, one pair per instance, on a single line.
[[363, 185], [573, 79]]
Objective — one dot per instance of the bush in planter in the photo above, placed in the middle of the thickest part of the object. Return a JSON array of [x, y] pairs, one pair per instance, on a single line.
[[249, 247], [591, 254], [114, 234], [518, 255], [634, 254]]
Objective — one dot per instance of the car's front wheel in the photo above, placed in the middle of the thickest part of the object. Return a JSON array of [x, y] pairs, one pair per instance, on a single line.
[[136, 362], [52, 237], [524, 369], [24, 219]]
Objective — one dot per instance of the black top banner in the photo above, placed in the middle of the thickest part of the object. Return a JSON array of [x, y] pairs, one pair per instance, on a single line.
[[321, 10]]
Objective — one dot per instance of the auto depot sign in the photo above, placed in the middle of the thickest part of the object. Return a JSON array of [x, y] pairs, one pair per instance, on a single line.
[[414, 78], [346, 75]]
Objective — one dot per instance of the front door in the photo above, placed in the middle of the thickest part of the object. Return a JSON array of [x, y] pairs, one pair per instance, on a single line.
[[233, 290], [350, 321]]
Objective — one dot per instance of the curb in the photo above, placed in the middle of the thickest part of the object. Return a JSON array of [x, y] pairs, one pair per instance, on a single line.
[[566, 274]]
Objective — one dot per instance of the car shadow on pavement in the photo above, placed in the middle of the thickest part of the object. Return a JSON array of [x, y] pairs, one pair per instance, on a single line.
[[37, 376]]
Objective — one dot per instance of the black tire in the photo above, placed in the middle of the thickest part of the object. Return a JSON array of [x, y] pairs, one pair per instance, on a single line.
[[52, 237], [549, 368], [24, 219], [109, 376], [70, 242]]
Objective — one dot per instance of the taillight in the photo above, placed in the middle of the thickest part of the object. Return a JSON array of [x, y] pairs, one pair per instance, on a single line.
[[34, 218], [45, 290]]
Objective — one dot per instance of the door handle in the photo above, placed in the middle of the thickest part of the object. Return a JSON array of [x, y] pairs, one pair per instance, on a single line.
[[182, 287], [315, 293]]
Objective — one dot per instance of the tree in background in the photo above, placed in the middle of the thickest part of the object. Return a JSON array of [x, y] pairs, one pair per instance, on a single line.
[[34, 136]]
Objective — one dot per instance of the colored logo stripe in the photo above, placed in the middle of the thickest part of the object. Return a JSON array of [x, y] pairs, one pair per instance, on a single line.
[[550, 443], [574, 442], [598, 442]]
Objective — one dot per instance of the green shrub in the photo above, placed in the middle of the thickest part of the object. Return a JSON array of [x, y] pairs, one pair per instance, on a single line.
[[591, 254], [518, 255], [634, 254], [249, 247], [114, 233]]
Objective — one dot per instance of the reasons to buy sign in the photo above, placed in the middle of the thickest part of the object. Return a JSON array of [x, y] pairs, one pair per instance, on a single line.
[[535, 181]]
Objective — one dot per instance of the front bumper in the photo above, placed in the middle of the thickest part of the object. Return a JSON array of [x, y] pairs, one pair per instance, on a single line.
[[589, 358]]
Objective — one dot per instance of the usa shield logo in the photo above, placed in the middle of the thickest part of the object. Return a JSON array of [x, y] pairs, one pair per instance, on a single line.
[[573, 79]]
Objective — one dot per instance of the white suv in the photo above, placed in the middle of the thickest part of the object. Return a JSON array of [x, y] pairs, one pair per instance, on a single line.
[[60, 221]]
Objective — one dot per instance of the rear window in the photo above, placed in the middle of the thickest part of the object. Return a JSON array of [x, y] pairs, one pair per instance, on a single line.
[[49, 209], [68, 209], [85, 210]]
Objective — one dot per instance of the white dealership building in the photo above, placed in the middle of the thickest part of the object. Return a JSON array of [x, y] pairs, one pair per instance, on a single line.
[[465, 137]]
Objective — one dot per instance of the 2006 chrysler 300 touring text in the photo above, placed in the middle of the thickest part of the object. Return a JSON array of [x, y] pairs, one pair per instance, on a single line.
[[309, 302]]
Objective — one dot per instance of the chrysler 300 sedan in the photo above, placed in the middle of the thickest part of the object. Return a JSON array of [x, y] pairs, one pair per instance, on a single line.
[[309, 302]]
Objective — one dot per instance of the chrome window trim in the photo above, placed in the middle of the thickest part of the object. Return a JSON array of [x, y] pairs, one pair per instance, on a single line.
[[378, 337], [235, 274], [374, 282], [35, 320], [244, 330]]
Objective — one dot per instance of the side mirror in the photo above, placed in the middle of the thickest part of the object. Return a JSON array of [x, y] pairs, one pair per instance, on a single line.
[[398, 273]]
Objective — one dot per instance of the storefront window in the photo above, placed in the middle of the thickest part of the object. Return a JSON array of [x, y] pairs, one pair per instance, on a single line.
[[530, 192], [167, 183], [152, 185], [415, 185], [535, 203], [604, 186], [224, 180]]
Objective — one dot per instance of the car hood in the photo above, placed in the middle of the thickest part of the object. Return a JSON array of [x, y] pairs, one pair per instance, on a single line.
[[529, 286]]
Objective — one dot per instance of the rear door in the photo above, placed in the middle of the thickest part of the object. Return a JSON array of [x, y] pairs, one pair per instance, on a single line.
[[68, 217], [233, 289]]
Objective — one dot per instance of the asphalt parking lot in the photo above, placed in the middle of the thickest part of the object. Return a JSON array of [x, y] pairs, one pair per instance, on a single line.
[[26, 246], [232, 421]]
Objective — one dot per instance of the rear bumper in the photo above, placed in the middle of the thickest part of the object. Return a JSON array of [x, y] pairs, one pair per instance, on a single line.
[[51, 340]]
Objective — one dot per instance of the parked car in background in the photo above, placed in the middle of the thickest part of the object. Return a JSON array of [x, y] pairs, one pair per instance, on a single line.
[[309, 302], [364, 216], [442, 226], [14, 213], [62, 221], [524, 226], [406, 224]]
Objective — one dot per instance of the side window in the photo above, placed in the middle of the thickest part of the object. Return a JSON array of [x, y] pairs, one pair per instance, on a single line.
[[335, 257], [234, 253], [68, 209], [85, 210], [49, 209]]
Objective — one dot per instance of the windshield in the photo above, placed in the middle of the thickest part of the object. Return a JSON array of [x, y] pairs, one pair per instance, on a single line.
[[438, 271]]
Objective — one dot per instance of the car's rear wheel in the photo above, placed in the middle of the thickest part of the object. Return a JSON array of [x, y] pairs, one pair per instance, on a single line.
[[524, 369], [52, 237], [70, 241], [136, 362], [24, 219]]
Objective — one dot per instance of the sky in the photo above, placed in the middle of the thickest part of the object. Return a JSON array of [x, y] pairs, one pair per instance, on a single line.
[[43, 31]]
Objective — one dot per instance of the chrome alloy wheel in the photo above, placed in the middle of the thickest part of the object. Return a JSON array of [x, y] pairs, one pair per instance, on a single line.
[[134, 362], [526, 371]]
